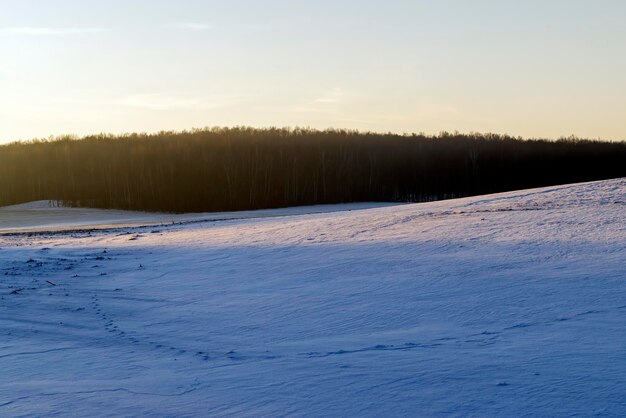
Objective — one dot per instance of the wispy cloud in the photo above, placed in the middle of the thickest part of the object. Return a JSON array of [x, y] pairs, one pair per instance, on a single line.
[[192, 26], [159, 101], [331, 96], [44, 31], [327, 101]]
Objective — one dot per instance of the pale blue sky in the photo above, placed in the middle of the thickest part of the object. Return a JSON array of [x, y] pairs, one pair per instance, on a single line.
[[534, 68]]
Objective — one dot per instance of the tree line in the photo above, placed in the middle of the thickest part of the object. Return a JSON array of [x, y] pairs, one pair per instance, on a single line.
[[224, 169]]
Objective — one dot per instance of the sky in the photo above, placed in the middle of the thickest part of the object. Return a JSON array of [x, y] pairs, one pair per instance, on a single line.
[[532, 68]]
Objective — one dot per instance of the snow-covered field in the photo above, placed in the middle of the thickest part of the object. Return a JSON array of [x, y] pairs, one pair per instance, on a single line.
[[43, 215], [503, 305]]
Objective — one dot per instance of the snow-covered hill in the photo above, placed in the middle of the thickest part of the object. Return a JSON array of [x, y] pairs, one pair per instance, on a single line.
[[502, 305]]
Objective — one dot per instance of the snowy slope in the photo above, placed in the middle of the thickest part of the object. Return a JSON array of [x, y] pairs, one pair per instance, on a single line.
[[503, 305]]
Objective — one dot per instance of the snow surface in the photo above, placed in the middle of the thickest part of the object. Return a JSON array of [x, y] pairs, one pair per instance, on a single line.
[[43, 215], [503, 305]]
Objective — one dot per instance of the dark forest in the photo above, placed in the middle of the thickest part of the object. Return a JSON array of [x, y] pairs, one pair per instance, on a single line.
[[223, 169]]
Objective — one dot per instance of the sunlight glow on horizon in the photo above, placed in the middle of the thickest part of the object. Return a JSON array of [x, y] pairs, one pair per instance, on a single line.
[[534, 69]]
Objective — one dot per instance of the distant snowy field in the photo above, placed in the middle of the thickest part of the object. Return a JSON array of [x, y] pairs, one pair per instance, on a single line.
[[503, 305], [43, 215]]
